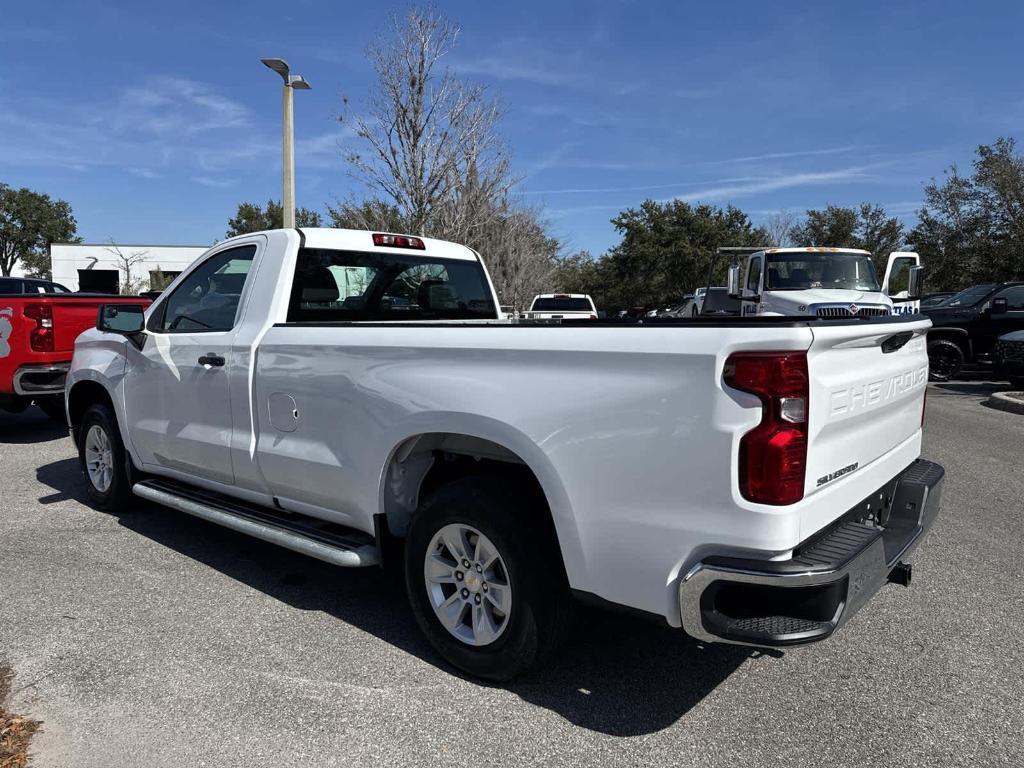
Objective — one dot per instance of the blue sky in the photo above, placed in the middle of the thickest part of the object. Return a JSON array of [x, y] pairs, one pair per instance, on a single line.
[[155, 119]]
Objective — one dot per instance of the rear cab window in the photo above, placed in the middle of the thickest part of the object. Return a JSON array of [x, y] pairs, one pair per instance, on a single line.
[[562, 304], [333, 285]]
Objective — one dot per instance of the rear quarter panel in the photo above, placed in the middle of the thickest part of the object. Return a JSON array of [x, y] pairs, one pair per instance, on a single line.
[[627, 428]]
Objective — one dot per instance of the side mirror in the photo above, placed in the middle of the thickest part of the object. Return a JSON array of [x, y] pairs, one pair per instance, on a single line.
[[733, 282], [125, 319], [915, 283], [999, 306]]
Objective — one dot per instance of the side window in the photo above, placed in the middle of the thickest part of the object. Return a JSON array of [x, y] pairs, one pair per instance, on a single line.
[[9, 285], [208, 298], [346, 286], [754, 275], [1014, 298]]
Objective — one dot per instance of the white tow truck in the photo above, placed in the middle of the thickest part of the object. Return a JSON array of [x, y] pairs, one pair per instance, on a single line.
[[822, 282], [359, 397]]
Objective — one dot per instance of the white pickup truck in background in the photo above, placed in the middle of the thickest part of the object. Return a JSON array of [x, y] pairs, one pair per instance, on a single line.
[[357, 397], [561, 306]]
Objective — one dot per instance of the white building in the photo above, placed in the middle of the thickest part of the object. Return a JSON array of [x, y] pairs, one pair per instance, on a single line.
[[101, 267]]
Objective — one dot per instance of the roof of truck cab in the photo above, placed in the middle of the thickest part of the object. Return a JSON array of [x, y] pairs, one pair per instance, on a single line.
[[818, 249], [362, 240]]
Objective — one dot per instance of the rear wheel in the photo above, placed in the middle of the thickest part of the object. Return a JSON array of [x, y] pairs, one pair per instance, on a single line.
[[104, 460], [485, 579], [945, 359]]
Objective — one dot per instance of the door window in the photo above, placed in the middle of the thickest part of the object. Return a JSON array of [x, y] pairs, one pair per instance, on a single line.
[[208, 298], [754, 275], [1014, 298]]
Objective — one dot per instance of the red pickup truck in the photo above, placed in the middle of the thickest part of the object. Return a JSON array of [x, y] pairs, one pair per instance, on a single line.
[[37, 338]]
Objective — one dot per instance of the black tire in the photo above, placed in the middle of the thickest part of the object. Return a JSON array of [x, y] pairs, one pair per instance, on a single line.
[[519, 528], [117, 496], [945, 359], [53, 406]]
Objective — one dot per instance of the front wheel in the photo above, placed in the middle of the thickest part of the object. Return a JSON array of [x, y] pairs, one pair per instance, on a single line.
[[945, 359], [104, 460], [484, 578]]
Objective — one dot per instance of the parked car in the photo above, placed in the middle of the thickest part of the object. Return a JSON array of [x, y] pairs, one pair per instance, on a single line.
[[561, 306], [731, 479], [935, 299], [10, 286], [37, 335], [698, 301], [1009, 358], [965, 326]]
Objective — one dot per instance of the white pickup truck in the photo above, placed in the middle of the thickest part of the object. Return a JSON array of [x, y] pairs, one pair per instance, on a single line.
[[561, 306], [358, 397]]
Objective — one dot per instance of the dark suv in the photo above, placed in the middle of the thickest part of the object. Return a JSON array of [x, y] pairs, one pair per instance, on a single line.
[[22, 285], [965, 326]]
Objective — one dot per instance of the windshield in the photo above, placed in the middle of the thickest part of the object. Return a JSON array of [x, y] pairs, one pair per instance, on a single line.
[[829, 269], [561, 305], [969, 296]]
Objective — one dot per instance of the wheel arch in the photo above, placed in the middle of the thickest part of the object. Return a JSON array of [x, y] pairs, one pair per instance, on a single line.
[[80, 396], [959, 336], [423, 458]]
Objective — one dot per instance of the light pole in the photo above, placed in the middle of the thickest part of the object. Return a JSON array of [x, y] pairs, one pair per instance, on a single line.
[[287, 138]]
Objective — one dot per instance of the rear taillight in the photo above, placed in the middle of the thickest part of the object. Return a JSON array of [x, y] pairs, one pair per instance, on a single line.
[[40, 338], [398, 241], [773, 455]]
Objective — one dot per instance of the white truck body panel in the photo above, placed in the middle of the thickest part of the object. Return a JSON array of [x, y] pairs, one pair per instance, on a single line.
[[630, 430]]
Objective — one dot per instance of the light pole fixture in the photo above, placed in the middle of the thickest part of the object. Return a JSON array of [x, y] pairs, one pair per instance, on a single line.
[[291, 82]]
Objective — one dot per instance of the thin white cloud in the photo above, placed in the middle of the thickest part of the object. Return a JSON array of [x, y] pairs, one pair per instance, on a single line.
[[209, 181], [787, 155], [501, 69], [724, 191]]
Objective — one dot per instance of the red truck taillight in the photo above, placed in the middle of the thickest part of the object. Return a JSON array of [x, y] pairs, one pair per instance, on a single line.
[[773, 455], [40, 338]]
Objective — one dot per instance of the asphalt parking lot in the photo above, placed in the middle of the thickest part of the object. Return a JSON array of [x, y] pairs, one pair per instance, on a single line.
[[155, 639]]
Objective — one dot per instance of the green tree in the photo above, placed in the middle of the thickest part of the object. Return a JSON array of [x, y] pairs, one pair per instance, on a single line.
[[868, 227], [971, 228], [29, 223], [251, 217], [667, 249]]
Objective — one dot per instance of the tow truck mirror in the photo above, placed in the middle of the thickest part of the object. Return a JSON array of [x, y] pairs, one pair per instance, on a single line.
[[733, 282], [999, 306], [915, 283], [125, 319]]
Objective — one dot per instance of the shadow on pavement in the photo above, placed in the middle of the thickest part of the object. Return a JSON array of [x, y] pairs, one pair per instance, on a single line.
[[979, 388], [30, 426], [619, 674]]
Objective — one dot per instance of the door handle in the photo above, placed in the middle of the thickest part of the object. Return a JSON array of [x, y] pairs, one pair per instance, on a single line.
[[212, 360]]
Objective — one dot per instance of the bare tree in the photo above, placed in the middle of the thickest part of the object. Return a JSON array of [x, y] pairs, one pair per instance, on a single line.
[[780, 227], [427, 131], [126, 262]]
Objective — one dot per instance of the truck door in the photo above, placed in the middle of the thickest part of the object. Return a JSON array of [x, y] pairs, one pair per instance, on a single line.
[[177, 397], [991, 325], [896, 280], [752, 286]]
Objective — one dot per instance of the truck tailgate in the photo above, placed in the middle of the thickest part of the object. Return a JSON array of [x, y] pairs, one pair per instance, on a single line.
[[867, 388]]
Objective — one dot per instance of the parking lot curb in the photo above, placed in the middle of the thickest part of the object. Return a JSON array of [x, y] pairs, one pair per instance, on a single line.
[[1005, 402]]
